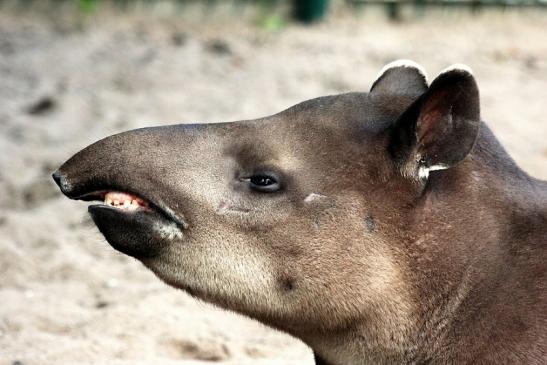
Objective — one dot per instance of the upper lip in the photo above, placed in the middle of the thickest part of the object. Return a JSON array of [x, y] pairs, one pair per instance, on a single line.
[[97, 193]]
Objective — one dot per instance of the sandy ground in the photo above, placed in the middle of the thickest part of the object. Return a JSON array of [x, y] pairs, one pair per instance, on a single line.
[[65, 296]]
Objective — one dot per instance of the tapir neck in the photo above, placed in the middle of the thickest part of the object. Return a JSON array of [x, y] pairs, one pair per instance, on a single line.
[[479, 234], [485, 287]]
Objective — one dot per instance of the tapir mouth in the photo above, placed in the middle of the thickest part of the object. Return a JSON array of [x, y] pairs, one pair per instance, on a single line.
[[132, 223], [123, 201], [127, 203]]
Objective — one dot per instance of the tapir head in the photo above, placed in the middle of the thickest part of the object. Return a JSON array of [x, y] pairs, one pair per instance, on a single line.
[[299, 219]]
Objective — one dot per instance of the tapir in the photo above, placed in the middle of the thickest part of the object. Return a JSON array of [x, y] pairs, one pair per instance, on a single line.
[[380, 227]]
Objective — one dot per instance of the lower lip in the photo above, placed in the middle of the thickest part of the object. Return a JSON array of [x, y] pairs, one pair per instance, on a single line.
[[131, 233]]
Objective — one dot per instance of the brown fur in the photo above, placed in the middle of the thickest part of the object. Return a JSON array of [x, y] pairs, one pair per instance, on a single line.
[[357, 255]]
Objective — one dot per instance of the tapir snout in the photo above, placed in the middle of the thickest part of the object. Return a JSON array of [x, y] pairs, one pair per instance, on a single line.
[[344, 220], [142, 170]]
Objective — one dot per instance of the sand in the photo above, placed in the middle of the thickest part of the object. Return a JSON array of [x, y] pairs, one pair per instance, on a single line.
[[65, 296]]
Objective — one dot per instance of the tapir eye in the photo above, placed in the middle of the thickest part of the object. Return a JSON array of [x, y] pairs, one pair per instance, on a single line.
[[264, 183]]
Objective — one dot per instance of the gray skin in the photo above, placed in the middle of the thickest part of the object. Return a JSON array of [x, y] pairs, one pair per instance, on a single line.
[[393, 229]]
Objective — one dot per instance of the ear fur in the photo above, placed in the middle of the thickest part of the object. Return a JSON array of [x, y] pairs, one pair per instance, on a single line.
[[440, 128], [401, 77]]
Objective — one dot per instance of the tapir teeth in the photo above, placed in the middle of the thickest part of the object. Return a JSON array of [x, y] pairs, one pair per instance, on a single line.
[[124, 201]]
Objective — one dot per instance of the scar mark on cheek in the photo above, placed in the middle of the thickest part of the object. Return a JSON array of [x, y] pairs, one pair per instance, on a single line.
[[225, 208], [222, 206], [369, 223], [313, 196]]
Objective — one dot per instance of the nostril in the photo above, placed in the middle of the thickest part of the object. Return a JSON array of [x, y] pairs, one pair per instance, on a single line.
[[61, 181]]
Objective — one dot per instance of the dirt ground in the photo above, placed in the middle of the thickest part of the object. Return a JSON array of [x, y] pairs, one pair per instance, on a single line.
[[65, 296]]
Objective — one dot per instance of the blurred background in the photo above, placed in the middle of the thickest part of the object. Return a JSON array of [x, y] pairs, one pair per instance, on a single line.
[[72, 72]]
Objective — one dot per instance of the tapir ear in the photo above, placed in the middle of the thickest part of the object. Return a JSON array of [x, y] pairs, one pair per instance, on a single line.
[[402, 77], [440, 128]]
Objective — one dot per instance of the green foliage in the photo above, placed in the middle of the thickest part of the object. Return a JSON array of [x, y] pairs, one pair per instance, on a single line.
[[273, 22], [87, 6]]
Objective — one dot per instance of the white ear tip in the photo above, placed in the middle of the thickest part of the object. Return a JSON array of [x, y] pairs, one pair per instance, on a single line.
[[457, 67], [403, 63]]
